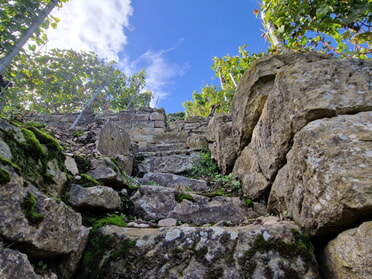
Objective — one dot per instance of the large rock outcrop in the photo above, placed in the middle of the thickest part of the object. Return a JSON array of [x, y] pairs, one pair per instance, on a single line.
[[298, 94], [255, 86], [277, 250], [326, 182]]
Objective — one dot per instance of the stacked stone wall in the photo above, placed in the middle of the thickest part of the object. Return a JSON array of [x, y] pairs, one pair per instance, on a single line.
[[147, 127]]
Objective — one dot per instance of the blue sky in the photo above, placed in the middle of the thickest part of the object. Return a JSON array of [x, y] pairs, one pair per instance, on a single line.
[[174, 40]]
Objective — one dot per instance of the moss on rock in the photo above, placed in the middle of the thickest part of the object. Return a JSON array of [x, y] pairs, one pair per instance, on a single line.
[[28, 206], [4, 176], [87, 181]]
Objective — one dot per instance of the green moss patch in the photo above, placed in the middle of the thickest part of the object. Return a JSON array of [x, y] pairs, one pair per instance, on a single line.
[[30, 157], [28, 206], [111, 219], [54, 148], [32, 145], [4, 176], [6, 162], [300, 247], [87, 181], [184, 196], [82, 163]]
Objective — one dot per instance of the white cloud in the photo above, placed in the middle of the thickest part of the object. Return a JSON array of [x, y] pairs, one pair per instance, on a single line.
[[159, 72], [99, 26], [92, 25]]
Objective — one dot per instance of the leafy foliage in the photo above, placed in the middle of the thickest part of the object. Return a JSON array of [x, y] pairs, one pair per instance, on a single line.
[[341, 27], [204, 166], [17, 17], [212, 99], [65, 80]]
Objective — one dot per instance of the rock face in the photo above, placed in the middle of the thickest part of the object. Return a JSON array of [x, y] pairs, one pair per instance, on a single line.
[[326, 183], [349, 255], [299, 94], [265, 251], [156, 202], [254, 88]]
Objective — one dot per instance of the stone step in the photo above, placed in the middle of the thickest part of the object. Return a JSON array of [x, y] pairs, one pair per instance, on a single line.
[[158, 202], [277, 248]]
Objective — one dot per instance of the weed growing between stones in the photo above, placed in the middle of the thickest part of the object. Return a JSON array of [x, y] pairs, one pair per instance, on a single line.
[[205, 166]]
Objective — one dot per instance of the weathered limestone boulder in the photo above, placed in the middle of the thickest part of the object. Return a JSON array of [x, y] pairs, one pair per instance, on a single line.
[[302, 93], [197, 142], [106, 171], [156, 202], [38, 225], [167, 162], [254, 88], [14, 264], [174, 181], [223, 149], [349, 255], [306, 92], [265, 251], [97, 197], [326, 183], [254, 184], [113, 140]]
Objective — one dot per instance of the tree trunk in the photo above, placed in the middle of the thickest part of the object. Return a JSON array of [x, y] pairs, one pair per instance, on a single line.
[[87, 106], [275, 40], [4, 63]]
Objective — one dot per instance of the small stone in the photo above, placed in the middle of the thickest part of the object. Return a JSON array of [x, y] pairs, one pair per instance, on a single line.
[[168, 222], [138, 225]]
